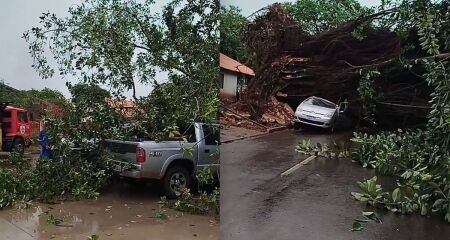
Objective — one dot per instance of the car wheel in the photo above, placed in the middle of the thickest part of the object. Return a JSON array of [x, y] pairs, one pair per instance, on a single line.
[[18, 146], [297, 125], [176, 178]]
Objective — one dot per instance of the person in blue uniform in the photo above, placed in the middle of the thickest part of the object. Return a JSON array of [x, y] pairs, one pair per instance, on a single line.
[[46, 151]]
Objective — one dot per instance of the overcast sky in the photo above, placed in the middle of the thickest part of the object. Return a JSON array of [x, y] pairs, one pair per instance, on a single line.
[[17, 16]]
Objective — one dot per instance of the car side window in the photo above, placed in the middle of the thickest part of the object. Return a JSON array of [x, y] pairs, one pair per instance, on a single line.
[[211, 134]]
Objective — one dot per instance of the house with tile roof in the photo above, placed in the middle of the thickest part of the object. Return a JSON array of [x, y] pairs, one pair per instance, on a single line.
[[233, 76]]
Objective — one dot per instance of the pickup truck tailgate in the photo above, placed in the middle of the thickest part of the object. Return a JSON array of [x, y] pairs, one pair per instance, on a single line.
[[121, 151]]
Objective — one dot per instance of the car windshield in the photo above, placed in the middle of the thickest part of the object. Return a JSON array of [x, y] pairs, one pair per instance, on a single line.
[[320, 102]]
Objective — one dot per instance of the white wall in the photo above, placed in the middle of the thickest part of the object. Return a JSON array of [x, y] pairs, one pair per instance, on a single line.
[[229, 84]]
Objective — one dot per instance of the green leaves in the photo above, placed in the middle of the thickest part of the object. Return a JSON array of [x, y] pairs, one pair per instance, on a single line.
[[72, 178], [318, 16], [371, 192], [371, 216], [231, 25], [357, 226], [120, 43], [364, 218], [93, 237], [323, 150], [51, 220], [207, 201], [368, 95], [396, 194], [428, 29]]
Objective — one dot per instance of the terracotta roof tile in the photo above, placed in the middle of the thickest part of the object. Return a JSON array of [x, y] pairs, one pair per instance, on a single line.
[[235, 66]]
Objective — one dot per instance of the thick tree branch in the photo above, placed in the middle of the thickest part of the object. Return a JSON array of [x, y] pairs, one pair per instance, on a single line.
[[439, 57], [141, 47]]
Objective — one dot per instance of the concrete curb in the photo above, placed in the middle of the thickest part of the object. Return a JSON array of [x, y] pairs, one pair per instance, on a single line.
[[242, 138], [297, 166], [268, 131], [276, 129]]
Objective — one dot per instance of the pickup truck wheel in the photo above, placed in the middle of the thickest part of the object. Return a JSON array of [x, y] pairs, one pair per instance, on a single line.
[[175, 179], [18, 146]]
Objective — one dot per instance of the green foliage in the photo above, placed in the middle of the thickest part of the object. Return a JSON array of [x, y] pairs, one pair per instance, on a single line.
[[119, 43], [364, 218], [231, 23], [90, 117], [68, 176], [98, 42], [205, 202], [93, 237], [336, 150], [51, 220], [371, 192], [29, 98], [428, 29], [11, 189], [162, 214], [318, 16], [67, 180], [418, 160], [419, 169], [368, 95]]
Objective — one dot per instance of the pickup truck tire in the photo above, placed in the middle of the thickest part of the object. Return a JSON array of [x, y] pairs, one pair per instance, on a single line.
[[176, 177]]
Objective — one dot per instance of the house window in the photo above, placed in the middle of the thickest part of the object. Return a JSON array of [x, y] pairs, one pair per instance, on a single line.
[[222, 80]]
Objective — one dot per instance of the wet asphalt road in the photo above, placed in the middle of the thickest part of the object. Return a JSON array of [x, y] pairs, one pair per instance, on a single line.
[[313, 202]]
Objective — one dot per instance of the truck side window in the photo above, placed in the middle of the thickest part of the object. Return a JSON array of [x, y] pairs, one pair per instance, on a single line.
[[211, 134], [191, 134], [22, 117], [7, 114]]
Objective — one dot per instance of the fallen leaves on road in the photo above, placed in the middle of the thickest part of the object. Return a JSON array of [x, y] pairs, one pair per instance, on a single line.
[[364, 218]]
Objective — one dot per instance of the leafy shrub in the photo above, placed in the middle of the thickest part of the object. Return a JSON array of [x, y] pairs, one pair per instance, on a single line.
[[207, 201], [421, 172], [73, 177], [12, 189], [63, 180]]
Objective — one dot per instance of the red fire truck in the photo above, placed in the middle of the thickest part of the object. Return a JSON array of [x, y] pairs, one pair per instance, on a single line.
[[15, 128]]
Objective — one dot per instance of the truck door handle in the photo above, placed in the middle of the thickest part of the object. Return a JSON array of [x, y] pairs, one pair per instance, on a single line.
[[206, 150]]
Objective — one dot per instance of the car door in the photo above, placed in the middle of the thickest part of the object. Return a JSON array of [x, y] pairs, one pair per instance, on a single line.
[[209, 146]]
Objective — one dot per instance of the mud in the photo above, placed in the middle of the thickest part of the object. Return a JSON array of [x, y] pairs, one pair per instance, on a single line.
[[123, 211], [313, 202]]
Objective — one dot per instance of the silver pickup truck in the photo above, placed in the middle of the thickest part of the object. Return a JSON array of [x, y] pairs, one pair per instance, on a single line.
[[172, 162]]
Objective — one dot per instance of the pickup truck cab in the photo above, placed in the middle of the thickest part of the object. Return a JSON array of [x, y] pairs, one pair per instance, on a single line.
[[173, 162]]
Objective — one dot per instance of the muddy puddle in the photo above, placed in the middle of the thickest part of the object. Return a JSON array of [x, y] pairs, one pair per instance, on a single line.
[[121, 212]]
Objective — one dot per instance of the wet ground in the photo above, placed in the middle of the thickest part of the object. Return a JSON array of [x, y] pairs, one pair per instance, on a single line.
[[123, 211], [314, 202]]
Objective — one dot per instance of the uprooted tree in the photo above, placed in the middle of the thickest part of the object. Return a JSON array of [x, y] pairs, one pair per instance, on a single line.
[[373, 59], [418, 160]]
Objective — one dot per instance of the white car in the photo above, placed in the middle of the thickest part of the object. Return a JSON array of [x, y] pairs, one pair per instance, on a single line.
[[318, 112]]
